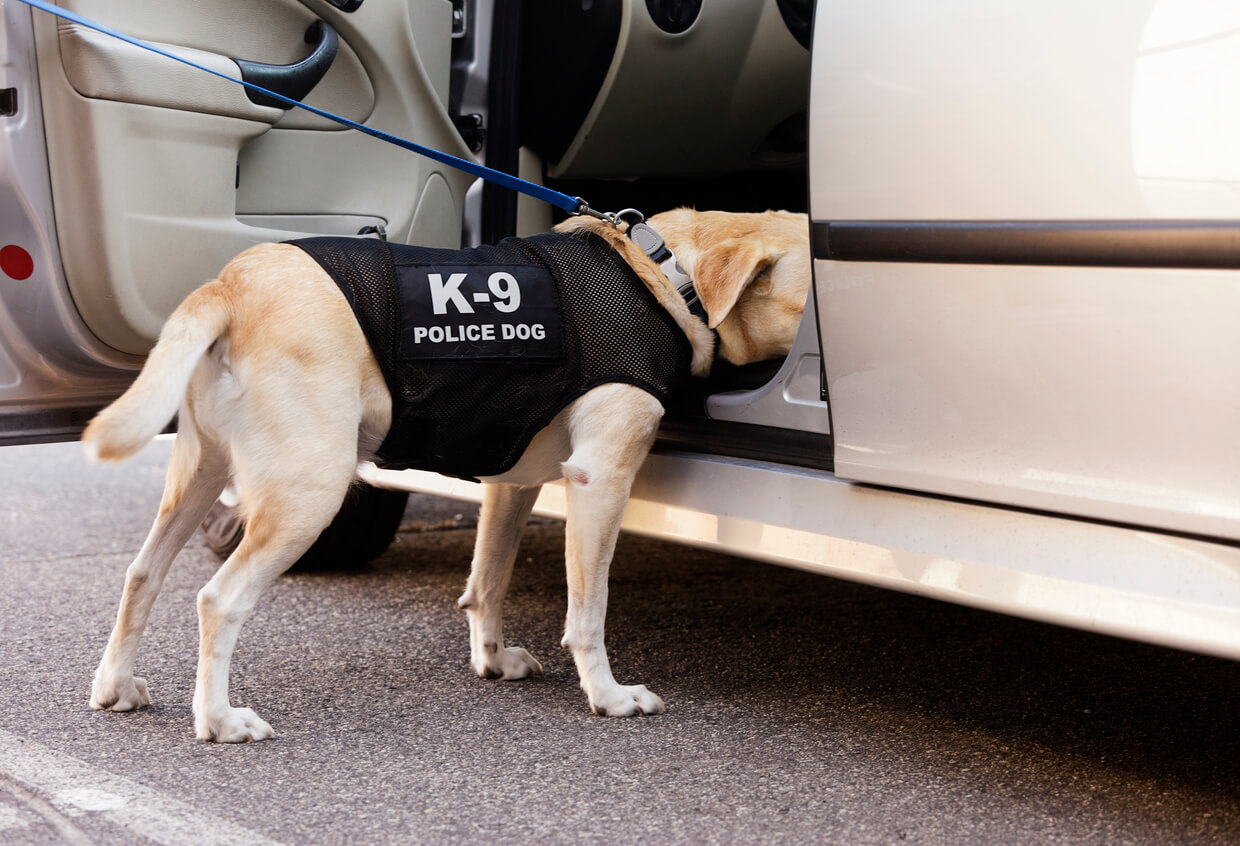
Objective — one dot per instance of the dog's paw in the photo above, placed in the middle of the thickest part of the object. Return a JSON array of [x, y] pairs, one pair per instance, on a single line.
[[626, 701], [118, 694], [510, 663], [232, 725]]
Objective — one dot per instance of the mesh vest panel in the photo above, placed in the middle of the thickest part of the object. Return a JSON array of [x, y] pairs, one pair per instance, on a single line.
[[469, 417]]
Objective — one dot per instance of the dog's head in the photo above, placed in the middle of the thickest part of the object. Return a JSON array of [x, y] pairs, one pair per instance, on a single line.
[[752, 273]]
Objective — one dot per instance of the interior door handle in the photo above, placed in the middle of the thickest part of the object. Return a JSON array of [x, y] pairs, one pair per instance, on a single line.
[[298, 79]]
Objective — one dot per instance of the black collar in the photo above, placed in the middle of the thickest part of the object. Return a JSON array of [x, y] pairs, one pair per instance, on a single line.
[[652, 244]]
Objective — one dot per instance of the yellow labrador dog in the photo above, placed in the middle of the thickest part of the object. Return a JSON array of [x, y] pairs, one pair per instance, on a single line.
[[281, 394]]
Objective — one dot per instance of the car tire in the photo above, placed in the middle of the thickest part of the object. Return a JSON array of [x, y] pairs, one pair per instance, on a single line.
[[361, 531]]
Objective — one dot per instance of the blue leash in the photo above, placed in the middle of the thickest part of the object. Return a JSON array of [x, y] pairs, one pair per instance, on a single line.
[[572, 205]]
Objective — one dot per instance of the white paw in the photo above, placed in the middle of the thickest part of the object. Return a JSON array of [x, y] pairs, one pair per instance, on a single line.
[[511, 663], [232, 725], [109, 693], [625, 701]]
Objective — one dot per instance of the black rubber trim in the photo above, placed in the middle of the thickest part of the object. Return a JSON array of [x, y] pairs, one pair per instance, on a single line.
[[747, 440], [45, 426], [1116, 243]]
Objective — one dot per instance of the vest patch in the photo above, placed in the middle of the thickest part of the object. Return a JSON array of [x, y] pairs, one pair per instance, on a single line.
[[455, 311]]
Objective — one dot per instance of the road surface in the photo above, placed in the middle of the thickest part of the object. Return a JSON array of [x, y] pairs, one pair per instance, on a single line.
[[800, 708]]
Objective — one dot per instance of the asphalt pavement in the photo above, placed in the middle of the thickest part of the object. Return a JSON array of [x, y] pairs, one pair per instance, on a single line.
[[800, 709]]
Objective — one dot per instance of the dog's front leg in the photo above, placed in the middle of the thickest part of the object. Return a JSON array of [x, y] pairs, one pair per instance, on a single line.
[[505, 509], [613, 429]]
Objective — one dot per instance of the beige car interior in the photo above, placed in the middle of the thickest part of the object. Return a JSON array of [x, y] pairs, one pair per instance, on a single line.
[[161, 173], [699, 102]]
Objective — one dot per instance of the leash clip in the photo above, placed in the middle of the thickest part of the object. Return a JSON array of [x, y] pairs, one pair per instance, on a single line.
[[630, 217]]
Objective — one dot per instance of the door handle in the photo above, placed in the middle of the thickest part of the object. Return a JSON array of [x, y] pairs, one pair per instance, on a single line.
[[298, 79]]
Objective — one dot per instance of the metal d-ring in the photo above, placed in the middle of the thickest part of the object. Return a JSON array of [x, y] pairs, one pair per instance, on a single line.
[[629, 216]]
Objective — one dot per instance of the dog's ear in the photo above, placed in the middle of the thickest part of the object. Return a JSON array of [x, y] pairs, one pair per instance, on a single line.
[[722, 273]]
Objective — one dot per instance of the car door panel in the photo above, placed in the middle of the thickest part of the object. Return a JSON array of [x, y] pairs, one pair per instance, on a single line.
[[1061, 389], [974, 169], [160, 173]]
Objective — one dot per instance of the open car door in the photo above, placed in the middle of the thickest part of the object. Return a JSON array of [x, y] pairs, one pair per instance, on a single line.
[[128, 179], [1028, 261]]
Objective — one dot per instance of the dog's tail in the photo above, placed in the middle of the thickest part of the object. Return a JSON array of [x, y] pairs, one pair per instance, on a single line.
[[141, 413]]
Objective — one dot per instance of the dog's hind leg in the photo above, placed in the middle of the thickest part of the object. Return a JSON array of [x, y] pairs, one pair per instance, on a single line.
[[505, 509], [612, 429], [197, 472], [288, 496]]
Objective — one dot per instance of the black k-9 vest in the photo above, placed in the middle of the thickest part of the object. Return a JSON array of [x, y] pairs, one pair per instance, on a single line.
[[481, 348]]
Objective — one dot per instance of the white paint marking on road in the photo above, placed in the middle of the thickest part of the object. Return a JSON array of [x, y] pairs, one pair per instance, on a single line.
[[11, 819], [83, 791], [69, 833], [83, 799]]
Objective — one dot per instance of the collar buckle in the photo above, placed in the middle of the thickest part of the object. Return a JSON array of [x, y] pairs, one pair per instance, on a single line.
[[652, 244]]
